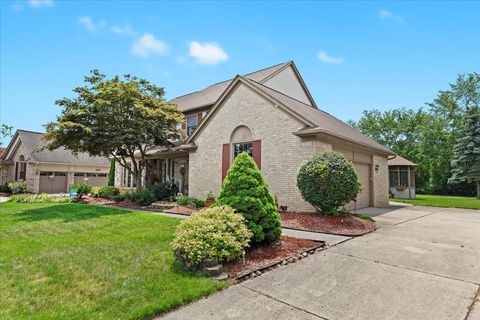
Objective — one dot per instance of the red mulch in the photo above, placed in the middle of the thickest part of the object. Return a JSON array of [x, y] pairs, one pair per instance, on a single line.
[[126, 204], [93, 200], [266, 255], [347, 225], [185, 210], [3, 194]]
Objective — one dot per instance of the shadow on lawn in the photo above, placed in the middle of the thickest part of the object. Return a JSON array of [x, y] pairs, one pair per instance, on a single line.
[[68, 212]]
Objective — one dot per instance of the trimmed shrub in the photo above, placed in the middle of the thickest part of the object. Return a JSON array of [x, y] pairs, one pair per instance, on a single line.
[[5, 188], [245, 190], [143, 197], [82, 189], [37, 198], [213, 233], [328, 182], [197, 203], [111, 174], [104, 192], [18, 187], [165, 190], [122, 196]]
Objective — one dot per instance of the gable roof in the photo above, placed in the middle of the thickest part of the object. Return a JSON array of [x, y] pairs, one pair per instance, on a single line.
[[33, 143], [315, 120], [209, 95], [400, 161]]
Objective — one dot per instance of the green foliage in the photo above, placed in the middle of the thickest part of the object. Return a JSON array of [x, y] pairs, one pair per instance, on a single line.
[[111, 173], [466, 153], [95, 120], [245, 190], [212, 233], [18, 187], [328, 182], [210, 196], [165, 191], [5, 131], [82, 189], [104, 192], [38, 198], [183, 200], [443, 201], [194, 202], [142, 197], [427, 137], [5, 188]]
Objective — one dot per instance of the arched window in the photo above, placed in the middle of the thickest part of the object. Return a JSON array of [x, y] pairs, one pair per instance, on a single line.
[[241, 140]]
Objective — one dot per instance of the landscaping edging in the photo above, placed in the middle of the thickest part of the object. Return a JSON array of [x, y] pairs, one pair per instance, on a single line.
[[332, 233]]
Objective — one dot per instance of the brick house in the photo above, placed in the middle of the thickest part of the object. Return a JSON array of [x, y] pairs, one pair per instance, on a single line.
[[271, 115], [48, 171]]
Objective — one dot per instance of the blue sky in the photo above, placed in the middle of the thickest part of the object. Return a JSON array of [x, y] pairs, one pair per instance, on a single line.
[[352, 55]]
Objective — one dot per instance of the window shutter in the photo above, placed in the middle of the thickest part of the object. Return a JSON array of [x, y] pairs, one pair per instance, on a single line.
[[199, 118], [16, 171], [257, 152], [225, 160], [184, 125], [25, 172]]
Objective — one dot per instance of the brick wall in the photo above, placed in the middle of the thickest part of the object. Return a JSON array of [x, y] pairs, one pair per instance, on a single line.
[[380, 181], [282, 152]]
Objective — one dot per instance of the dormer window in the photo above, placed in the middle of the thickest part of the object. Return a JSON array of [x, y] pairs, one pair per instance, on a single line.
[[192, 122]]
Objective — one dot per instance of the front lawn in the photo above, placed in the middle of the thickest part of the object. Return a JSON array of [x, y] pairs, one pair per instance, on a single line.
[[73, 261], [443, 201]]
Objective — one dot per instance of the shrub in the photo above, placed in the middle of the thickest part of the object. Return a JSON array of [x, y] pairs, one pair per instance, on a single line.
[[183, 200], [165, 190], [213, 233], [245, 190], [37, 198], [82, 189], [143, 197], [5, 188], [328, 182], [197, 203], [111, 174], [210, 196], [122, 196], [104, 192], [18, 187]]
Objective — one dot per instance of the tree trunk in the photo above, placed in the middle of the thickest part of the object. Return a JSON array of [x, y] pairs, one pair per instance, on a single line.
[[138, 178]]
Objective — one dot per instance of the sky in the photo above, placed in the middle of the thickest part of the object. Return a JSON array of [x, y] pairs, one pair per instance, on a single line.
[[352, 55]]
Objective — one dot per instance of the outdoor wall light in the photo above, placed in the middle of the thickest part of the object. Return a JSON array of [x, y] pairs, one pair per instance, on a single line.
[[377, 166]]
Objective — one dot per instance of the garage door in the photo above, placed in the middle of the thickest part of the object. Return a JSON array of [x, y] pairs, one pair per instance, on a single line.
[[53, 182], [93, 179], [363, 198]]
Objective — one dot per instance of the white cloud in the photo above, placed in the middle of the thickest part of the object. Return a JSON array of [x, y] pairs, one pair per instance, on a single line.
[[325, 58], [207, 53], [40, 3], [147, 45], [123, 30], [91, 25], [388, 15]]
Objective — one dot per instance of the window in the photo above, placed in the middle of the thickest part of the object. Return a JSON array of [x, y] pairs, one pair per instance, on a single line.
[[101, 175], [398, 176], [128, 179], [241, 147], [22, 174], [90, 174], [191, 124], [393, 178], [79, 174]]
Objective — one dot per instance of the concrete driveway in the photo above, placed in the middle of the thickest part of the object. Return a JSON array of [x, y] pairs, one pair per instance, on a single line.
[[422, 263]]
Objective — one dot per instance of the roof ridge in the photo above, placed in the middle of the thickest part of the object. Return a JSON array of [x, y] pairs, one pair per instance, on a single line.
[[286, 95], [30, 131], [245, 75]]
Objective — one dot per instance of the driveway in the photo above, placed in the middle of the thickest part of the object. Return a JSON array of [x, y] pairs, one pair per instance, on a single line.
[[422, 263]]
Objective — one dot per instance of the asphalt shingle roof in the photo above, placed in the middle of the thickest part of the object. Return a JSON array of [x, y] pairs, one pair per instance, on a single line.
[[400, 161], [32, 141]]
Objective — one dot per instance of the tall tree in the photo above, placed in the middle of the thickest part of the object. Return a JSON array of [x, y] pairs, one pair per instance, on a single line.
[[466, 153], [5, 131], [119, 118]]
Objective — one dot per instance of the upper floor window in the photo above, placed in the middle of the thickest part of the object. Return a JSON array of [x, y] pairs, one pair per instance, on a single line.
[[241, 147], [192, 122], [241, 139]]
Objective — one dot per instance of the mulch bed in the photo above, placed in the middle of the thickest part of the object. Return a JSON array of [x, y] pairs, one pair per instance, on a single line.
[[265, 256], [346, 225], [94, 200], [3, 194], [185, 210], [126, 204]]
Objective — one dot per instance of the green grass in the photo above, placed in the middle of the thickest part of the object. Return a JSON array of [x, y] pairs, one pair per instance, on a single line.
[[73, 261], [443, 201]]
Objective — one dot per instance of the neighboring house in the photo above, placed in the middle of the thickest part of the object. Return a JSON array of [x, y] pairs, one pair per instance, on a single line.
[[48, 171], [271, 115], [401, 177]]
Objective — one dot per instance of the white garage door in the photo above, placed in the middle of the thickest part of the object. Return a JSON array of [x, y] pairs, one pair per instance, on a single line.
[[93, 179], [53, 182], [363, 198]]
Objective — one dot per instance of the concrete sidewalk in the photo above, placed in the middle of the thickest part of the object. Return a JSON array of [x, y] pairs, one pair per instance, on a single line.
[[422, 263]]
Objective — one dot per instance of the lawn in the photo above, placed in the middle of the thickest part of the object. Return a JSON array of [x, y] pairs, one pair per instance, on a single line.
[[443, 201], [73, 261]]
